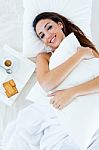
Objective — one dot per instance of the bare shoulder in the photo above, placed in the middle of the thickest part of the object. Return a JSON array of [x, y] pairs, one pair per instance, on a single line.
[[43, 56], [42, 63], [42, 66]]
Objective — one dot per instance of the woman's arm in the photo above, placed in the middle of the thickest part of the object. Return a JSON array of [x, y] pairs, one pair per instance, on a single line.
[[50, 79], [63, 97], [89, 87]]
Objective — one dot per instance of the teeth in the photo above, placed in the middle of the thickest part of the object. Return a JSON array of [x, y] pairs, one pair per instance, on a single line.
[[52, 39]]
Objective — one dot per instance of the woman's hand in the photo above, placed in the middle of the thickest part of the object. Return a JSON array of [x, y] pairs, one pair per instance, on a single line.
[[62, 98], [85, 52]]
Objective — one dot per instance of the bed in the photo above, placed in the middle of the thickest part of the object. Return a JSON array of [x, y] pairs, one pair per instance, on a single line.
[[11, 33]]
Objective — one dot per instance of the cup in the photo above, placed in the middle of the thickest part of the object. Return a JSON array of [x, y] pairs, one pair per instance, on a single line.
[[7, 63]]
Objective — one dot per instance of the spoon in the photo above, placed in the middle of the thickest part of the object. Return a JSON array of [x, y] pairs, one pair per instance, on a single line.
[[9, 71]]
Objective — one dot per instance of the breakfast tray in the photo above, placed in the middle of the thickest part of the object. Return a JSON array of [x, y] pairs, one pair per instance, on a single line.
[[22, 70]]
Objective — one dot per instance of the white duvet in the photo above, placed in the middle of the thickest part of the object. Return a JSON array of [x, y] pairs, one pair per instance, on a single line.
[[80, 119]]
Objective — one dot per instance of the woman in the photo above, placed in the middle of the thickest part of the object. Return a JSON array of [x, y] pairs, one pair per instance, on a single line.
[[52, 28], [44, 129]]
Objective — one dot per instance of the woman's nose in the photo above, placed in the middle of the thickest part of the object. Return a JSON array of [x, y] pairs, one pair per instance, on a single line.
[[47, 37]]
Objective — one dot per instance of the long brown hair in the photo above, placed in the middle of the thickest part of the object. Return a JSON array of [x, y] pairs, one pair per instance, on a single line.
[[68, 27]]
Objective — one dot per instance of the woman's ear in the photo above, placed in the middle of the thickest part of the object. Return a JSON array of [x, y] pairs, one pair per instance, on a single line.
[[60, 24]]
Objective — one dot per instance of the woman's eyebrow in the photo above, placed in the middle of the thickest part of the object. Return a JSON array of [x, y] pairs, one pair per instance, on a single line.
[[40, 33], [44, 27]]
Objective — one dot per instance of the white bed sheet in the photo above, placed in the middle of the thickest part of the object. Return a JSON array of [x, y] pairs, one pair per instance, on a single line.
[[11, 24]]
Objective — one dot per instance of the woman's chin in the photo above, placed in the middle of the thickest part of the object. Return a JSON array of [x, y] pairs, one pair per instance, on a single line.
[[56, 45]]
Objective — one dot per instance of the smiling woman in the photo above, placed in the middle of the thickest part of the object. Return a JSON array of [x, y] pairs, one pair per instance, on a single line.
[[61, 27], [40, 121], [50, 33]]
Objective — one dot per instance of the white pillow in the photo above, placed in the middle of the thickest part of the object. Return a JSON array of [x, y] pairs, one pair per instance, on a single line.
[[73, 118], [81, 118], [79, 11], [67, 48]]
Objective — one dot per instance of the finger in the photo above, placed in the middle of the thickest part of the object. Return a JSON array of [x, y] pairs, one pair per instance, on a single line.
[[61, 107], [51, 94], [52, 101], [56, 105]]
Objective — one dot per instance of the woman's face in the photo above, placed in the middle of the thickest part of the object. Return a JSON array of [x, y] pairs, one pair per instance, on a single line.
[[50, 32]]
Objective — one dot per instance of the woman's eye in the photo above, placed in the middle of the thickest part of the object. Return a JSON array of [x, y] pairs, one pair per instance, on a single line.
[[49, 27], [42, 36]]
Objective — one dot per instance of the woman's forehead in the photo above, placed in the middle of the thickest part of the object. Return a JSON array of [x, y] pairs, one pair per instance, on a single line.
[[43, 23]]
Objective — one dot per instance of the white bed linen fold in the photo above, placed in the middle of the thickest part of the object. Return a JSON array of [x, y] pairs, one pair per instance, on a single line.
[[34, 128]]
